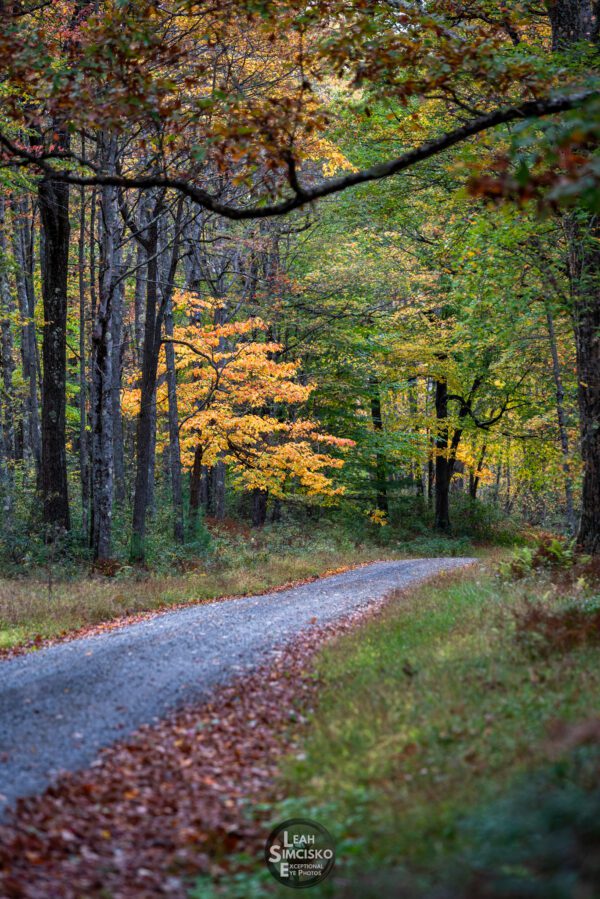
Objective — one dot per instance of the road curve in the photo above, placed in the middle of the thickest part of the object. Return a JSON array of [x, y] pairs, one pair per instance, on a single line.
[[61, 705]]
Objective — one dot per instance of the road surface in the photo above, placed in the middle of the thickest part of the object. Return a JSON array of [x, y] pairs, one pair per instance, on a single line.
[[61, 705]]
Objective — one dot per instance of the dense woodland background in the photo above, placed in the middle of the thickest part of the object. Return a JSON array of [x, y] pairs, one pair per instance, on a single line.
[[419, 350], [288, 286]]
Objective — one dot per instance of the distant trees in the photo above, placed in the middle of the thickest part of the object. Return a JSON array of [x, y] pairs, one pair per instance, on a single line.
[[140, 145]]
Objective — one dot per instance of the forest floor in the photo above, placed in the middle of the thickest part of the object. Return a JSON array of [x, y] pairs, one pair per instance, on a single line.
[[448, 739], [453, 749]]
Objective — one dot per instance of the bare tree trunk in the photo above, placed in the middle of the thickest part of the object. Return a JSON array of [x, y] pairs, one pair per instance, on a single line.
[[572, 21], [430, 443], [497, 483], [417, 473], [23, 242], [584, 268], [169, 271], [508, 503], [53, 198], [141, 277], [206, 489], [562, 421], [5, 481], [151, 505], [576, 21], [380, 460], [475, 476], [7, 311], [195, 490], [276, 511], [7, 364], [174, 447], [154, 314], [259, 507], [102, 367], [442, 463], [84, 448], [218, 489], [117, 375]]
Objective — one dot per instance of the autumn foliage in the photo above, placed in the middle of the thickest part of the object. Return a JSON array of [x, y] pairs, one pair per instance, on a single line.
[[238, 403]]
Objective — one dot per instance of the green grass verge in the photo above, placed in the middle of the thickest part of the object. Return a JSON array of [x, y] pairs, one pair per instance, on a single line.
[[426, 714], [50, 603], [27, 610]]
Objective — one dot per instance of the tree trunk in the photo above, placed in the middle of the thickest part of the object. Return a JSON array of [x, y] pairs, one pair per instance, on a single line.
[[53, 199], [508, 502], [475, 476], [7, 310], [380, 460], [117, 374], [584, 270], [259, 507], [7, 363], [168, 283], [417, 472], [174, 447], [23, 242], [562, 422], [141, 277], [84, 449], [5, 482], [573, 21], [144, 438], [218, 490], [102, 369], [430, 390], [443, 472], [151, 501], [206, 489], [430, 473], [276, 511], [195, 490]]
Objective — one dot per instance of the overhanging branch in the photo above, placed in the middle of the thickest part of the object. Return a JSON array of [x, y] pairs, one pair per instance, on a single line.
[[302, 195]]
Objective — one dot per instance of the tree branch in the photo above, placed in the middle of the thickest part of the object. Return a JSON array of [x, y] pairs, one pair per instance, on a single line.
[[305, 195]]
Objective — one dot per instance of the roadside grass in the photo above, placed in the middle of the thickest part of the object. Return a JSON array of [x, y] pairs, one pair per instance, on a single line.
[[60, 597], [427, 716], [47, 590], [29, 609]]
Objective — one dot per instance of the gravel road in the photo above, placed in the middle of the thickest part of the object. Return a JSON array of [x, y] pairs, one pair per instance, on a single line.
[[61, 705]]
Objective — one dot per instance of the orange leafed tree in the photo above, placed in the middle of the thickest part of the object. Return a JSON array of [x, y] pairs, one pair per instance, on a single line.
[[238, 403]]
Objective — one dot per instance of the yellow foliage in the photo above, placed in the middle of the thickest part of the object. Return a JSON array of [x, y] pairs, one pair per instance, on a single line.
[[378, 516], [235, 403]]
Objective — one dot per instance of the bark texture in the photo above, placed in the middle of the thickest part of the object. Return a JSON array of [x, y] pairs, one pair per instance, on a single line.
[[575, 21], [53, 200]]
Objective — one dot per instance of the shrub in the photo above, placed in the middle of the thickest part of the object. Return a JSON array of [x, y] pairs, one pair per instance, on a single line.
[[482, 521], [549, 553], [541, 841], [541, 630]]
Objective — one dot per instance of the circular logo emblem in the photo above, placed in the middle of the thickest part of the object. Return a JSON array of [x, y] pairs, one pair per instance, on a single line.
[[300, 853]]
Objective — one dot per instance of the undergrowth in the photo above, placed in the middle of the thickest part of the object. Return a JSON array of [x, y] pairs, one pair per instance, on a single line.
[[49, 589], [447, 755]]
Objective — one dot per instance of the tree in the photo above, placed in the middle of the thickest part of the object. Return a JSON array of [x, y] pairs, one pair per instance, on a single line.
[[238, 404], [216, 123], [576, 23]]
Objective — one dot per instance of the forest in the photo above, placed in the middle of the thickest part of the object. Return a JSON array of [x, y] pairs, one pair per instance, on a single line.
[[170, 337], [292, 287]]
